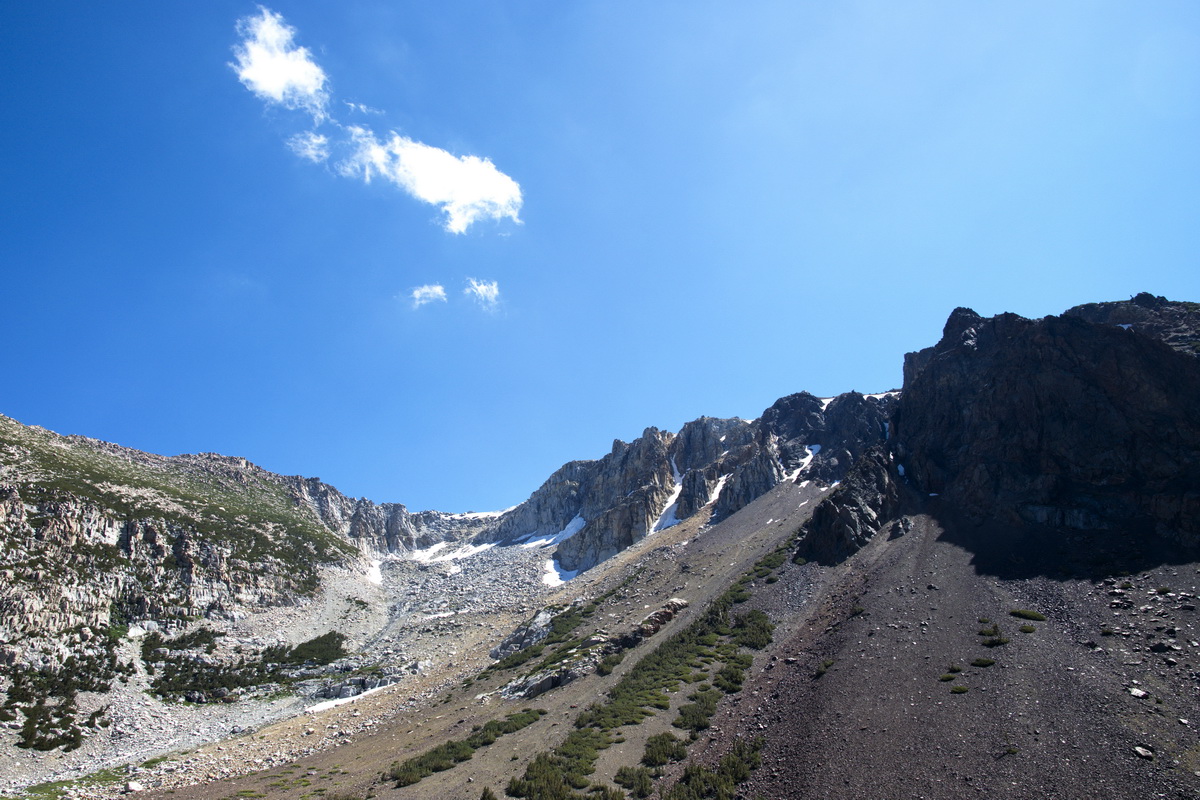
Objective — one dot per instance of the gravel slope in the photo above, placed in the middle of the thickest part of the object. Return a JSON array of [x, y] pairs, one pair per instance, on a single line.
[[1054, 717]]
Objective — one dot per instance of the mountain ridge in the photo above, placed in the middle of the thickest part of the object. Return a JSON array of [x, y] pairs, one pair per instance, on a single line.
[[1016, 441]]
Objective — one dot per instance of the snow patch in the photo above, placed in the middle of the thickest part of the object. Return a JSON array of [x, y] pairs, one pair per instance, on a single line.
[[481, 514], [430, 555], [573, 527], [667, 518], [375, 573], [825, 401], [716, 492], [341, 701], [812, 449], [1125, 327], [882, 395], [556, 576], [900, 469]]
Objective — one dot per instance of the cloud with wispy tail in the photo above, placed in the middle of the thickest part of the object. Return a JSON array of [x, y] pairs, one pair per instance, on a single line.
[[466, 188], [486, 293], [429, 293]]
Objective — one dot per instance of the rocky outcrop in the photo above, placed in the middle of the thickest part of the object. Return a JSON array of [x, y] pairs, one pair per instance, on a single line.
[[1059, 421], [622, 500], [380, 529], [854, 512], [1174, 323], [527, 635], [1089, 421], [712, 465]]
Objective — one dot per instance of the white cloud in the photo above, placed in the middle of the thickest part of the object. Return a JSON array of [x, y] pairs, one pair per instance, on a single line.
[[313, 146], [427, 294], [467, 188], [275, 70], [486, 293], [361, 108]]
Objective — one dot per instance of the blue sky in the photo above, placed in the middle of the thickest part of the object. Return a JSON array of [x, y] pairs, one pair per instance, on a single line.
[[624, 214]]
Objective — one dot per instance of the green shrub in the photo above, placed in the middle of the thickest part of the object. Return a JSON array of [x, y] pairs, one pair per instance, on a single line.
[[663, 748], [982, 662], [609, 663], [958, 690], [1024, 613], [753, 629], [700, 783], [1027, 629], [445, 756], [638, 780]]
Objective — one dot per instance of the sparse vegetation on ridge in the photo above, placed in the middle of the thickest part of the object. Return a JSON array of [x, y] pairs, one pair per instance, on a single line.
[[445, 756], [643, 690], [720, 783], [178, 673]]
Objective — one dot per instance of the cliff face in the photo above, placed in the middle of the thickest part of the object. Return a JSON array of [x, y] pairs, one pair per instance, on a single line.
[[1057, 421], [380, 529], [1088, 421], [715, 466]]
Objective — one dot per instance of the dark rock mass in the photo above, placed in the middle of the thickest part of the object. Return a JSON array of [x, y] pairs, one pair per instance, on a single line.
[[1057, 421], [1088, 421]]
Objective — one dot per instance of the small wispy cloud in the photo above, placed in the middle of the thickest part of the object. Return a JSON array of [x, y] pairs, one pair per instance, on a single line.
[[310, 145], [361, 108], [486, 293], [427, 294], [274, 69], [466, 188]]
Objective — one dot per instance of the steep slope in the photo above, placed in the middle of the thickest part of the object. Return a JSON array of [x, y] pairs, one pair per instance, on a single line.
[[1025, 626]]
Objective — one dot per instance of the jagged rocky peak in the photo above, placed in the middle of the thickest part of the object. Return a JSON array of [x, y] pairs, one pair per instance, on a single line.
[[381, 529], [714, 466], [1173, 322], [1086, 421]]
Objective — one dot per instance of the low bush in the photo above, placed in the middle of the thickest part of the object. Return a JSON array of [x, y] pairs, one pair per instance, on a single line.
[[638, 780], [663, 748]]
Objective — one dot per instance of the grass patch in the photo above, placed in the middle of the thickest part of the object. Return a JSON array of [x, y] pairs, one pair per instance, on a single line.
[[958, 690], [1027, 629], [982, 662], [1024, 613]]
